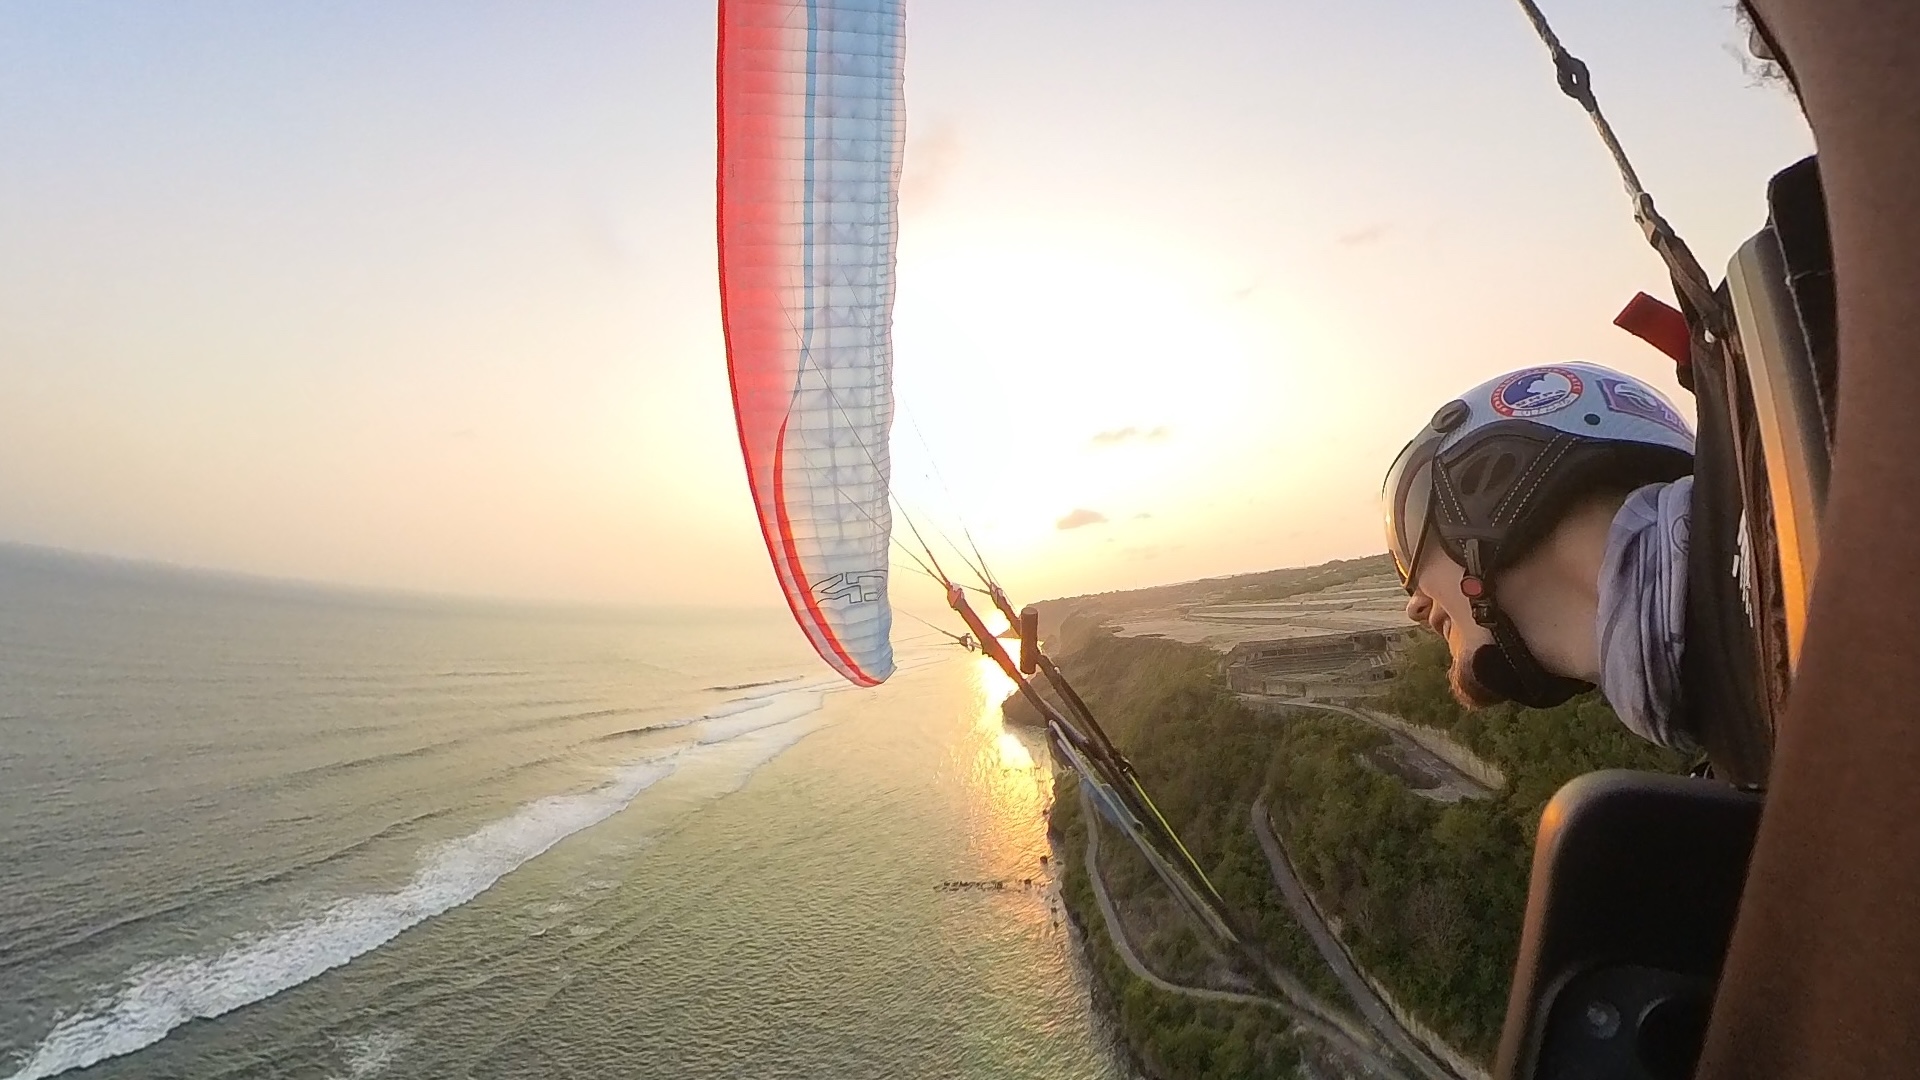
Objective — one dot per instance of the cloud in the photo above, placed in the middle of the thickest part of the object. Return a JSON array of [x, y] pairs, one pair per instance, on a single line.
[[1362, 236], [1131, 434], [1142, 516], [1080, 518]]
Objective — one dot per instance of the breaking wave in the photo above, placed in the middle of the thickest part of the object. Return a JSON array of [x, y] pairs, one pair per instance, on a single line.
[[158, 998]]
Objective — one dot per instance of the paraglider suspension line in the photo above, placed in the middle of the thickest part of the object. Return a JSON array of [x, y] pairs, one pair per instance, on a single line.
[[1690, 281]]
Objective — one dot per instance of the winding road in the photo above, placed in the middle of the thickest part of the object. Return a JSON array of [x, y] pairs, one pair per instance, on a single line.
[[1306, 1010], [1316, 1017]]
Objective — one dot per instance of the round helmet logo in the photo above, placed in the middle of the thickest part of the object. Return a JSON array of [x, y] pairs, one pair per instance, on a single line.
[[1537, 391]]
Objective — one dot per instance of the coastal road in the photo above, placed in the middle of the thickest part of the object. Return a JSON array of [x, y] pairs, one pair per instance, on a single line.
[[1353, 1045], [1371, 1005]]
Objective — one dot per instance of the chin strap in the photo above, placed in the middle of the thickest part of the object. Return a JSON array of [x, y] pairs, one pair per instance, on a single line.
[[1507, 667]]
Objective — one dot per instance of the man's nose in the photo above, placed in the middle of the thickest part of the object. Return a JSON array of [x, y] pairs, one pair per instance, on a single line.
[[1417, 608]]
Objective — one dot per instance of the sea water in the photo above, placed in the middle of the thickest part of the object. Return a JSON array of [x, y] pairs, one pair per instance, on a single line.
[[255, 830]]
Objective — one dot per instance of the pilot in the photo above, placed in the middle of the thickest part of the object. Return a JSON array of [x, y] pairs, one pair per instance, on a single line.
[[1539, 525]]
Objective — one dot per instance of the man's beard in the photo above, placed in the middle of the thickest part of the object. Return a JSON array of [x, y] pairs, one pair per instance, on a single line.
[[1467, 690]]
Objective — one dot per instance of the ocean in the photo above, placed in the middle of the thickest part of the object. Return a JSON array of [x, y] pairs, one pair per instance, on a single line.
[[254, 830]]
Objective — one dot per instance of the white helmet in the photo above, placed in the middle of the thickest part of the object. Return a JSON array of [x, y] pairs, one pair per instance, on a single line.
[[1496, 468]]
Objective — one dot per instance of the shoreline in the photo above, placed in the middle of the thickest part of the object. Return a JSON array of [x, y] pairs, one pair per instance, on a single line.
[[1100, 1000]]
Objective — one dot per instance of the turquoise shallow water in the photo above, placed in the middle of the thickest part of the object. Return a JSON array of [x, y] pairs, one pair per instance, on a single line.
[[252, 831]]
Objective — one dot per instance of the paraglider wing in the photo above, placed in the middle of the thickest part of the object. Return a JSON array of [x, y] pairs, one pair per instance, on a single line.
[[810, 139]]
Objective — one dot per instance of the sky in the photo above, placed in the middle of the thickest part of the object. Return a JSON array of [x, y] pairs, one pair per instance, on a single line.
[[423, 295]]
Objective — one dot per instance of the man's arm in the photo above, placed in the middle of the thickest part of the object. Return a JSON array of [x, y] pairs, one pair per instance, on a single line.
[[1823, 977]]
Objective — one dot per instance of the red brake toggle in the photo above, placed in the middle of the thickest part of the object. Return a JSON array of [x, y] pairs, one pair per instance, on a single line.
[[1659, 324], [1472, 587]]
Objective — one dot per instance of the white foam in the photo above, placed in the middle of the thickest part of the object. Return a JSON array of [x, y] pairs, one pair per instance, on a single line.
[[782, 709], [761, 746], [370, 1055], [158, 998]]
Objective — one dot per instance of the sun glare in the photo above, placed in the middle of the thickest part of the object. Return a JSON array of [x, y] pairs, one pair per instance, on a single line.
[[1040, 376]]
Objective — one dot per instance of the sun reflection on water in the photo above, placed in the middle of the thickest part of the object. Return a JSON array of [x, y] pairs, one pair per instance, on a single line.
[[1010, 766], [1014, 753]]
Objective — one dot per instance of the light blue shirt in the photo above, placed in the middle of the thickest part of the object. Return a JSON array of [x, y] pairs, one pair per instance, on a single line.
[[1642, 620]]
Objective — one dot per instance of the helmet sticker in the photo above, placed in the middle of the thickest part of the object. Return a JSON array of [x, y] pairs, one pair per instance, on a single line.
[[1536, 391], [1625, 397]]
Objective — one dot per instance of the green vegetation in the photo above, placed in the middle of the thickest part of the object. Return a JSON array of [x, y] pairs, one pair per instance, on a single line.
[[1431, 896], [1203, 758], [1428, 896], [1539, 749], [1168, 1035]]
